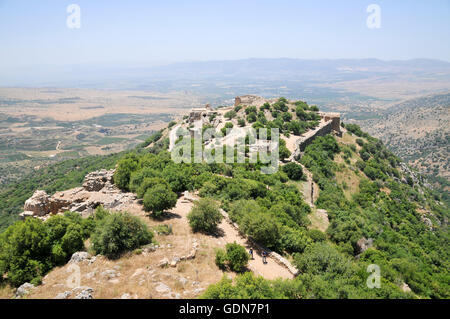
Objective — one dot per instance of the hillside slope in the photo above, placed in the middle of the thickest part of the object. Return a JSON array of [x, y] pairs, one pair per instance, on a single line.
[[418, 131], [379, 211]]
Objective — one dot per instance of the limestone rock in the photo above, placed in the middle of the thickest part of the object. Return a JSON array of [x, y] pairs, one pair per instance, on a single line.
[[162, 288], [24, 289], [42, 204], [79, 256], [63, 295], [427, 222], [405, 287], [110, 274], [86, 293], [163, 262], [363, 244], [95, 181]]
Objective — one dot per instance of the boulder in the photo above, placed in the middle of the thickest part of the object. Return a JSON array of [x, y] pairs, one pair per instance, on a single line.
[[174, 261], [427, 222], [163, 262], [24, 289], [63, 295], [363, 244]]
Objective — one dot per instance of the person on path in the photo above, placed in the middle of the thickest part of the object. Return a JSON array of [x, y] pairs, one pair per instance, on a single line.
[[251, 252], [264, 257]]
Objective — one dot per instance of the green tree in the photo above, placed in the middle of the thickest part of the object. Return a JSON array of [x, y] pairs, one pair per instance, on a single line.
[[159, 198], [262, 228], [293, 171], [125, 167], [237, 257]]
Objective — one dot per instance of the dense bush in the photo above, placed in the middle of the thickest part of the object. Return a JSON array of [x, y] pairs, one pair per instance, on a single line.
[[230, 114], [204, 216], [261, 227], [30, 248], [119, 232], [125, 167], [293, 171], [159, 198], [235, 257]]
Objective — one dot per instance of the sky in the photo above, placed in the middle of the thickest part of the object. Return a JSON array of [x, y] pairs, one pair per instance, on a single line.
[[133, 33]]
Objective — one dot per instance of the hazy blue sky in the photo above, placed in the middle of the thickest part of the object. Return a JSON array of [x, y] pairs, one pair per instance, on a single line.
[[155, 32]]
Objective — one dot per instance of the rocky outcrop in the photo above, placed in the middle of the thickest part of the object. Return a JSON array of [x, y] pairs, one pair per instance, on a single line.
[[79, 257], [41, 204], [96, 181], [85, 293]]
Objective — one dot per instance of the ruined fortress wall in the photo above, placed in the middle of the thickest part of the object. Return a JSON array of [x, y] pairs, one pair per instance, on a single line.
[[327, 128]]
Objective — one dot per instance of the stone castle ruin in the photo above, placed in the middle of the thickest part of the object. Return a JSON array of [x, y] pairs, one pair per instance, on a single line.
[[330, 123]]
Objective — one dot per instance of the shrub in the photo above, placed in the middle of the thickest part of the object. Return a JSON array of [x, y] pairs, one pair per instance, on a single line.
[[359, 141], [204, 216], [159, 198], [123, 172], [136, 178], [30, 248], [321, 258], [230, 114], [235, 257], [287, 117], [251, 109], [283, 150], [293, 171], [148, 183], [118, 233], [164, 229], [317, 235], [241, 122], [221, 259], [251, 118]]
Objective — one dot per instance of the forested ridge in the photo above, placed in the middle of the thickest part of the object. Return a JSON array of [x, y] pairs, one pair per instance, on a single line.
[[387, 206]]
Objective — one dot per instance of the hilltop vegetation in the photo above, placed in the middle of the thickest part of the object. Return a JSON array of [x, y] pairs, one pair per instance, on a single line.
[[387, 206]]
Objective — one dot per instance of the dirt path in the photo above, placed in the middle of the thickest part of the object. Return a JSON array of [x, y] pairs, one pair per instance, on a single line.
[[310, 189], [270, 270]]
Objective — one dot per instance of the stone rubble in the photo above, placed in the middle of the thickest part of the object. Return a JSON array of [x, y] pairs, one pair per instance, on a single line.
[[98, 189]]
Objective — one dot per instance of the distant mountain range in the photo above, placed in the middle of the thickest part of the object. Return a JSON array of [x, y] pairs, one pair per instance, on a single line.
[[233, 71]]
